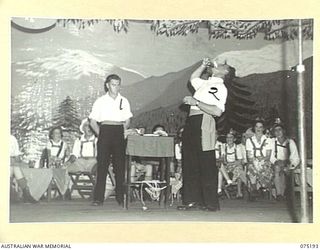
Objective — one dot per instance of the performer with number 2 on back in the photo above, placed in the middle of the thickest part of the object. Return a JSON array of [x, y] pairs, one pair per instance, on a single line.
[[200, 173]]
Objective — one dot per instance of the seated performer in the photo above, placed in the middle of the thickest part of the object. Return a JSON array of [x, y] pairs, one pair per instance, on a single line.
[[15, 172], [159, 130], [259, 170], [284, 156], [232, 160], [83, 156], [57, 150]]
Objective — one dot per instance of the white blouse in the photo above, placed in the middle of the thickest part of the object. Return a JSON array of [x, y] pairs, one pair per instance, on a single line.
[[230, 153], [58, 149], [85, 148], [253, 146]]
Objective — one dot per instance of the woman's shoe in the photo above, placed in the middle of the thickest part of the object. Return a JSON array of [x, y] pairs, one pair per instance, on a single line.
[[97, 203], [239, 197]]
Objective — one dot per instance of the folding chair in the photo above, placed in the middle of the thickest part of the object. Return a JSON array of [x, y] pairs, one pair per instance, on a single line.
[[295, 179], [83, 182]]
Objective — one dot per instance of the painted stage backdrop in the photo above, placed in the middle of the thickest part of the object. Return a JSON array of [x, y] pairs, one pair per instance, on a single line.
[[57, 74]]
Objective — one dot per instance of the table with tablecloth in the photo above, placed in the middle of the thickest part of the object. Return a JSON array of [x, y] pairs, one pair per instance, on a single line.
[[149, 146], [40, 179]]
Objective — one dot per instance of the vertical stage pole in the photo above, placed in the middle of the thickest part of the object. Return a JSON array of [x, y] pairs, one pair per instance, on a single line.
[[302, 130]]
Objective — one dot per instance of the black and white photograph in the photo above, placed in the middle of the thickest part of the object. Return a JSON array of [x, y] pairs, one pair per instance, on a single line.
[[132, 120]]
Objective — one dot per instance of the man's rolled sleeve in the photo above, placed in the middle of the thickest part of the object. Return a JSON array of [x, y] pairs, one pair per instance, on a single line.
[[127, 114], [197, 82]]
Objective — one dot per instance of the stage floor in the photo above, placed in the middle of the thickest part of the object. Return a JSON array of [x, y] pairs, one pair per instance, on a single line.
[[80, 210]]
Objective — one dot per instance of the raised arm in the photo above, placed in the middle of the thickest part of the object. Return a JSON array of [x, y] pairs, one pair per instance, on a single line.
[[197, 73]]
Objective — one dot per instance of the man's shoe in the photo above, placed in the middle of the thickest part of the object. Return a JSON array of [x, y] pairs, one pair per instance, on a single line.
[[211, 208], [121, 204], [97, 203], [189, 206], [280, 198]]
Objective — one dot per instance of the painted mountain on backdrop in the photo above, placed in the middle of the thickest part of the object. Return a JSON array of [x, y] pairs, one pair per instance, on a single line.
[[73, 71]]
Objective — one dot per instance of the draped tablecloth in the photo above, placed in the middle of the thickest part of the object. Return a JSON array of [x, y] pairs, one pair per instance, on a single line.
[[39, 179], [150, 146]]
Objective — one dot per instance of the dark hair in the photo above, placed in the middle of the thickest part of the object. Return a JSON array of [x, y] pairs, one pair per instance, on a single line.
[[108, 79], [53, 129], [281, 125], [206, 73], [255, 123], [231, 72], [158, 126]]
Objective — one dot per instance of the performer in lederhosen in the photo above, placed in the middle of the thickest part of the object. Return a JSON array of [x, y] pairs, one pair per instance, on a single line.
[[284, 156], [84, 152], [259, 170], [200, 173], [233, 162], [109, 117], [57, 149]]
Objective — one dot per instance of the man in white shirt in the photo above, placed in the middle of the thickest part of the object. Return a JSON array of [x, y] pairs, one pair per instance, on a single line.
[[109, 117], [284, 156], [200, 173]]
